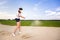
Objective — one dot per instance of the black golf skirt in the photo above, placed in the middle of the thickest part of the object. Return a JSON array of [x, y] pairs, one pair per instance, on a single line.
[[17, 19]]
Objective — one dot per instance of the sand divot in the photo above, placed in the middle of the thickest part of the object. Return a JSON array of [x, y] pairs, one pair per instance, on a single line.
[[26, 36], [4, 33]]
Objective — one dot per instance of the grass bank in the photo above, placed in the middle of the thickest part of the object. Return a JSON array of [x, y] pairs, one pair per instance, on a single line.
[[48, 23]]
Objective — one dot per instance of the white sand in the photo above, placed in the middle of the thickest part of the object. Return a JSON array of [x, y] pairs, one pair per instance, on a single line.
[[30, 33]]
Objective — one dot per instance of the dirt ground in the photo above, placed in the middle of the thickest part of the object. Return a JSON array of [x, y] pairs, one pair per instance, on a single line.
[[30, 33]]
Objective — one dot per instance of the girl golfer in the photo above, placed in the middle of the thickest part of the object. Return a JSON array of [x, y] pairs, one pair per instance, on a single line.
[[18, 21]]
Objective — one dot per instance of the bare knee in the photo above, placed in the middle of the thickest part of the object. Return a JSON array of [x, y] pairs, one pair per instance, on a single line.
[[18, 27]]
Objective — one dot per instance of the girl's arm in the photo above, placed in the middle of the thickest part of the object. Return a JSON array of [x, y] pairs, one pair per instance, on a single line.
[[20, 16]]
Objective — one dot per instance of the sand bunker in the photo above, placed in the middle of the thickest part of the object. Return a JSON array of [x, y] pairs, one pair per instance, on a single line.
[[5, 35], [30, 33]]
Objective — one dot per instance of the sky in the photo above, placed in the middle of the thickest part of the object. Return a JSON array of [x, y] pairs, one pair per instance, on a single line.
[[32, 9]]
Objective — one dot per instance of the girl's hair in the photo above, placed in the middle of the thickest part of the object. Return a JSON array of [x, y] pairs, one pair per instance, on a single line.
[[20, 8]]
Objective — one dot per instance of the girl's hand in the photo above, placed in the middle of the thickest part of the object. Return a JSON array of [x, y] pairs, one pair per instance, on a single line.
[[24, 17]]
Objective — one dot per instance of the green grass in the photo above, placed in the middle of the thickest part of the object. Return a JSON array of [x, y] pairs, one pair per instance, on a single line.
[[13, 22], [8, 22], [51, 23], [48, 23], [26, 22]]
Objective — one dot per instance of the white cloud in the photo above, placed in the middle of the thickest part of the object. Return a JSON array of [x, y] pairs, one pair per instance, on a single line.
[[3, 2], [52, 15], [4, 7], [35, 9], [58, 9], [5, 15], [37, 4], [58, 13], [49, 13]]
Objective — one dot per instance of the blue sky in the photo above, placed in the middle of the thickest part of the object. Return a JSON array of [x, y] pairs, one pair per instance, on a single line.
[[32, 9]]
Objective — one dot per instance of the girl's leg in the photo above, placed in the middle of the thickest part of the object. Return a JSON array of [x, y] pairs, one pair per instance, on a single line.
[[18, 27]]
